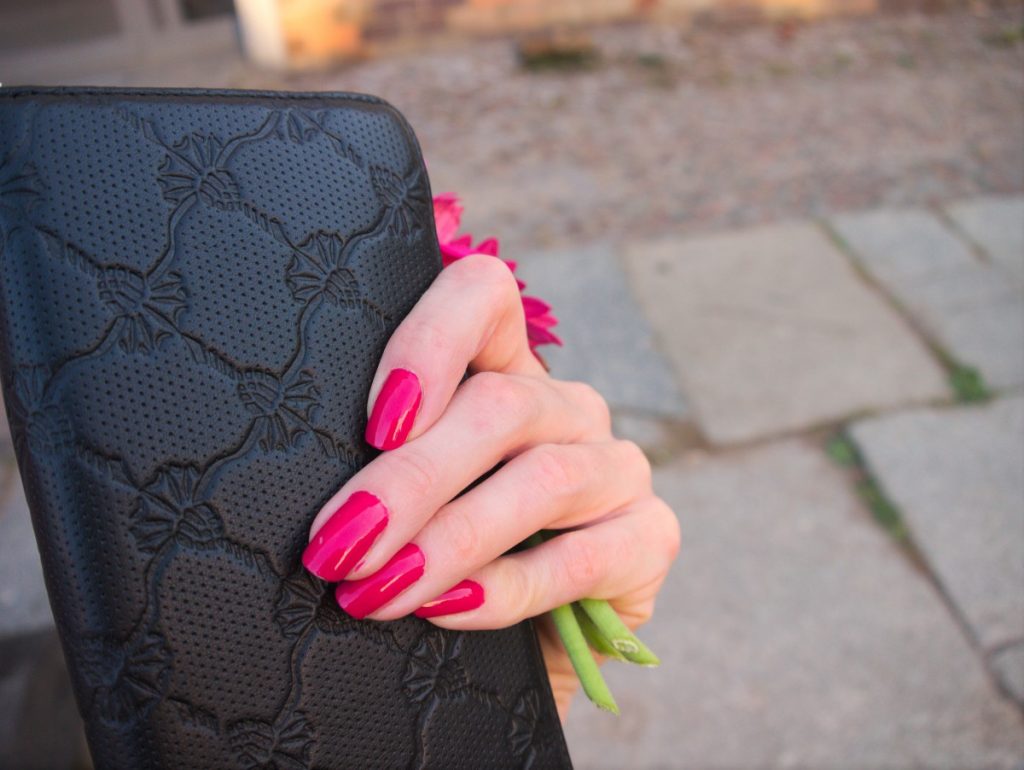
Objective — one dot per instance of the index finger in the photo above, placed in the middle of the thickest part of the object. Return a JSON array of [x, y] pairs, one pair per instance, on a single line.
[[470, 317]]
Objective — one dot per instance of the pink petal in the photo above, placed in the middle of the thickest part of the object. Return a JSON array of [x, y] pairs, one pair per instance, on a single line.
[[456, 250], [535, 306], [448, 219], [545, 321], [447, 216], [489, 247], [540, 336], [463, 246]]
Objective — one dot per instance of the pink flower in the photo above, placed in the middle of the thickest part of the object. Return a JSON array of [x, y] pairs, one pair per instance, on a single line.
[[448, 218]]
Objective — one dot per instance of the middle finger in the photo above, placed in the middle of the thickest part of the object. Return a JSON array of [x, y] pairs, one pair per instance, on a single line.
[[491, 417], [548, 487]]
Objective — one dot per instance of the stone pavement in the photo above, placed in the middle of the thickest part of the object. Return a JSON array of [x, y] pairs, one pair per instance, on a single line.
[[995, 225], [969, 300], [793, 634], [609, 343], [772, 331], [794, 631], [24, 608], [957, 475]]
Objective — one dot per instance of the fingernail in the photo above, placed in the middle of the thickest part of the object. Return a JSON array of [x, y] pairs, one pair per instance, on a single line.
[[346, 537], [361, 597], [395, 410], [467, 595]]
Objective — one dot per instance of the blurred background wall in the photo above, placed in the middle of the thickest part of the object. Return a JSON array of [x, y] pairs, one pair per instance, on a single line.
[[297, 34]]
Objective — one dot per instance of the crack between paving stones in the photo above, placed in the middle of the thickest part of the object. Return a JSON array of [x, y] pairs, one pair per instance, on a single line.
[[860, 471], [949, 363]]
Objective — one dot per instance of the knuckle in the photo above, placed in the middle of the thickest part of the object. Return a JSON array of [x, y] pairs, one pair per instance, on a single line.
[[583, 563], [424, 337], [503, 396], [593, 404], [485, 270], [417, 474], [554, 470], [462, 536], [671, 538], [636, 460], [639, 614], [519, 592]]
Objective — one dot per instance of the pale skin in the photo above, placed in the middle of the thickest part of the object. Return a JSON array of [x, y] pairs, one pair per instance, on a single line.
[[563, 470]]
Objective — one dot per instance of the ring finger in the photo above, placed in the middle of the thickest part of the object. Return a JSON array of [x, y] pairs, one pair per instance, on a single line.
[[491, 417], [549, 486]]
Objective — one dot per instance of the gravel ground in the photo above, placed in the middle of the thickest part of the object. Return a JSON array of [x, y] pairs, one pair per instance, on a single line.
[[712, 127]]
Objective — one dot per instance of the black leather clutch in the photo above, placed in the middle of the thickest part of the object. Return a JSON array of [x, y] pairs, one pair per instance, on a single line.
[[196, 288]]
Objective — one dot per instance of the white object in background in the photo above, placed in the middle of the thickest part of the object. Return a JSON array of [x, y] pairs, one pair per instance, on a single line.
[[262, 32]]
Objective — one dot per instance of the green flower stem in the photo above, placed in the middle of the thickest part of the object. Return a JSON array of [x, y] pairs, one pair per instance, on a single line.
[[583, 663], [593, 624], [611, 627], [593, 636], [582, 660]]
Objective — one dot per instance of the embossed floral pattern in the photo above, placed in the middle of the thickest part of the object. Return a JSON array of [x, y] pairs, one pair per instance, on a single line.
[[283, 745], [18, 183], [523, 725], [318, 268], [401, 197], [125, 676], [299, 126], [125, 681], [147, 309], [38, 422], [434, 669], [20, 186], [283, 411], [194, 167], [304, 601], [170, 509]]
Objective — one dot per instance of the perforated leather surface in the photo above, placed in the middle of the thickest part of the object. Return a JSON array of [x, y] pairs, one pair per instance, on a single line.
[[196, 288]]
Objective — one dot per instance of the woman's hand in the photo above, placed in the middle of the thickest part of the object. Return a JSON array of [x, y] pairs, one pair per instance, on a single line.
[[401, 542]]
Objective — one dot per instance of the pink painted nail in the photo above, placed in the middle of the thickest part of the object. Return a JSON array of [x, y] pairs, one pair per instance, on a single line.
[[346, 537], [395, 410], [361, 597], [465, 596]]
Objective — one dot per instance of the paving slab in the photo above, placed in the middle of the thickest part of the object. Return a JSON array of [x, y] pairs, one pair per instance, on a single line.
[[970, 306], [771, 330], [997, 226], [957, 476], [794, 634], [40, 728], [6, 445], [661, 439], [1008, 665], [24, 607], [608, 341], [39, 722], [903, 246]]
